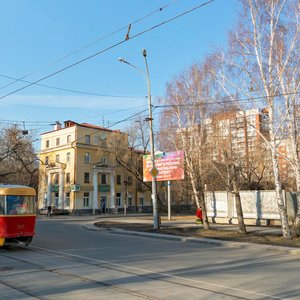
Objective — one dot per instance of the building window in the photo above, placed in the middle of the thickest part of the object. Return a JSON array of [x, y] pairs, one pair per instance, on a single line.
[[88, 139], [67, 199], [57, 141], [47, 144], [103, 160], [69, 138], [103, 178], [86, 199], [129, 200], [86, 177], [46, 179], [68, 157], [96, 140], [87, 158], [119, 178], [56, 178], [68, 178], [129, 180], [118, 199], [141, 202], [57, 157], [103, 136], [46, 160]]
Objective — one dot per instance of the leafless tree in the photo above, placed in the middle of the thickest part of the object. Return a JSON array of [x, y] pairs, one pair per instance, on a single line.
[[18, 162], [186, 110], [263, 49], [131, 158]]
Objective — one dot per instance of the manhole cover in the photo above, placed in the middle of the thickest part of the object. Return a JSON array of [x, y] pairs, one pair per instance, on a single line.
[[3, 269]]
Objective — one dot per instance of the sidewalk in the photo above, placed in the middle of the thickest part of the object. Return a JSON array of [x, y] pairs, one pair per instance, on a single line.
[[185, 222], [179, 221]]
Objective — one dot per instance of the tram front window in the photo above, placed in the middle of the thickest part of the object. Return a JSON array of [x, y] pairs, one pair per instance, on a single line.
[[2, 205], [19, 205]]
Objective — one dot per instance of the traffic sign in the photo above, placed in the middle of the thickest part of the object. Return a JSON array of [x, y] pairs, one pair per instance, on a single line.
[[154, 172]]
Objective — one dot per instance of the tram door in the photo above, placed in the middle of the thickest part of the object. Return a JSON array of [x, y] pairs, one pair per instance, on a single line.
[[103, 201]]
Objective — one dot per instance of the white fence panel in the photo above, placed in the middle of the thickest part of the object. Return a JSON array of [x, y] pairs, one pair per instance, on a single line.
[[217, 204], [255, 204]]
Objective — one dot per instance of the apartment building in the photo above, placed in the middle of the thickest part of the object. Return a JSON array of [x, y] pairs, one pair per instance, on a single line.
[[79, 170], [237, 132], [241, 134]]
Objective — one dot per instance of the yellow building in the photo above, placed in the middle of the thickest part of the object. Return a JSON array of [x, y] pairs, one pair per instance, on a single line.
[[80, 170]]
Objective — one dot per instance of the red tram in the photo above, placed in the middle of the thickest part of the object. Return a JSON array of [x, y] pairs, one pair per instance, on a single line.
[[17, 214]]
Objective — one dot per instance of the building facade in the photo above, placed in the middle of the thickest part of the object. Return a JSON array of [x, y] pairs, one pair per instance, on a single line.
[[237, 132], [242, 135], [79, 170]]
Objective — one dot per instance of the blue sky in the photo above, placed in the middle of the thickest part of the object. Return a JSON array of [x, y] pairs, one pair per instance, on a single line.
[[38, 38]]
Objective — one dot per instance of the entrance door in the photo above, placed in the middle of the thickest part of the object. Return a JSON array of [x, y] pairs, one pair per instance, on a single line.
[[103, 204]]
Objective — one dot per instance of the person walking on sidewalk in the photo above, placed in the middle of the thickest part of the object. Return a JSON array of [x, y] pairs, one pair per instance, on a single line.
[[199, 218], [49, 211]]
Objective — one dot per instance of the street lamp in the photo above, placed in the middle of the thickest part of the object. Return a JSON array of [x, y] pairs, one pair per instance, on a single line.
[[150, 119]]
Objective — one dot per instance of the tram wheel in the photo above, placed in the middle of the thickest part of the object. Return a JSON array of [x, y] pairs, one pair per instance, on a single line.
[[28, 241]]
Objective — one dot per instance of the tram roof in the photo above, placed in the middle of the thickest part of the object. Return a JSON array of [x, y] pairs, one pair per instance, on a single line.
[[14, 189]]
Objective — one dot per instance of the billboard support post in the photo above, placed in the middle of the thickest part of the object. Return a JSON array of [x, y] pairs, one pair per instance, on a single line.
[[169, 200]]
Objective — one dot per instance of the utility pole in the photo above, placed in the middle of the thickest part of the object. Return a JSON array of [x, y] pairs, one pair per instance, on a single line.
[[150, 119]]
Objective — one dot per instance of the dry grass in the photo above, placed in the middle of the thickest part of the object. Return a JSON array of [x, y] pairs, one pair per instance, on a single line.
[[252, 237]]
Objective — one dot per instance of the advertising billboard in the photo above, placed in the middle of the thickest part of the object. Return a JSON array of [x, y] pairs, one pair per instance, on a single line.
[[168, 166]]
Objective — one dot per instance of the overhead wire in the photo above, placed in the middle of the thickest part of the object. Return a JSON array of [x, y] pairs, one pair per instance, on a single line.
[[227, 101], [71, 90], [48, 123], [108, 48], [88, 45], [113, 112], [161, 106], [107, 127]]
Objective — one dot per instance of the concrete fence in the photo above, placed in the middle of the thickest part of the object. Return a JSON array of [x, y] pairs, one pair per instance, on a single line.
[[259, 207]]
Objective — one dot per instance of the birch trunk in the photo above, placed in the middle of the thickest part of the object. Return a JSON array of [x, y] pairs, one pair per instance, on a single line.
[[286, 230], [266, 59], [200, 202], [238, 203]]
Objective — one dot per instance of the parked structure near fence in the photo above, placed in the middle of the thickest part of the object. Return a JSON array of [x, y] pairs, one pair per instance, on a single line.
[[259, 207]]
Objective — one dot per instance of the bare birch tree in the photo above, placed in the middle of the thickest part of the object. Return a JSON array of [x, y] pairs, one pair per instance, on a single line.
[[188, 107], [287, 65], [258, 67]]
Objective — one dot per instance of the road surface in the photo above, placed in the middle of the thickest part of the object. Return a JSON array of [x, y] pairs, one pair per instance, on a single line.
[[66, 261]]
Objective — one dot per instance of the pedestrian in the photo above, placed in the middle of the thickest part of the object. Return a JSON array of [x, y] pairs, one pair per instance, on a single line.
[[49, 211], [103, 206], [199, 218]]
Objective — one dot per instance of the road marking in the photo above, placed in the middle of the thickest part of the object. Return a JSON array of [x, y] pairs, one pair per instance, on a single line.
[[80, 249], [158, 273]]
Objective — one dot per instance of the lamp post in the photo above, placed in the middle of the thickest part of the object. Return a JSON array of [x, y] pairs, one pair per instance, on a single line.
[[150, 119]]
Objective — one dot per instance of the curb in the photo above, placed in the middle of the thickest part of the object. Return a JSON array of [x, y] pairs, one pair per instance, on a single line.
[[229, 244]]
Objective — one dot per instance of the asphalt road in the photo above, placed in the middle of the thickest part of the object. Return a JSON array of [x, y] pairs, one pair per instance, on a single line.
[[66, 261]]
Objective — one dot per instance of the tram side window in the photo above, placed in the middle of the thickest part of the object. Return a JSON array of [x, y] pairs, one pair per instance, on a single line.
[[18, 205], [2, 205]]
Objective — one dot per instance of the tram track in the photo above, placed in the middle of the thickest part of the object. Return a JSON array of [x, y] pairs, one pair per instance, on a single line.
[[21, 289], [41, 268], [162, 277]]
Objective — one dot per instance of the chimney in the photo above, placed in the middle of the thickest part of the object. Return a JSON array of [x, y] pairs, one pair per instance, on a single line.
[[57, 125]]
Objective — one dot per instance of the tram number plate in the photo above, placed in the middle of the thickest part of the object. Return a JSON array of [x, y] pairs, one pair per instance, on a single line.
[[20, 226]]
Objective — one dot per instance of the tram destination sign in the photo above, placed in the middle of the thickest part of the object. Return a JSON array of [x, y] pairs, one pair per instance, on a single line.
[[170, 166]]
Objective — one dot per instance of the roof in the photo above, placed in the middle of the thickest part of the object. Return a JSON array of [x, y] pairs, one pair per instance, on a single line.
[[97, 127], [87, 125], [13, 189]]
